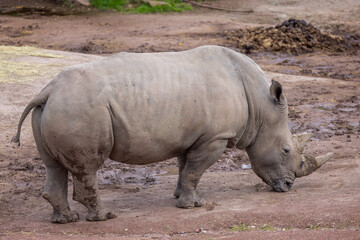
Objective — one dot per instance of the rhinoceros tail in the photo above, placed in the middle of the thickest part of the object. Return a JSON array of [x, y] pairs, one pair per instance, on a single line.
[[36, 101]]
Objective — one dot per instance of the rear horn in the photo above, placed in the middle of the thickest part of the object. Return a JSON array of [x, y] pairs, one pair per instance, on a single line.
[[300, 140]]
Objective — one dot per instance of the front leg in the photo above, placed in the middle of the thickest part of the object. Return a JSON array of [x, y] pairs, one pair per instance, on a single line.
[[197, 161]]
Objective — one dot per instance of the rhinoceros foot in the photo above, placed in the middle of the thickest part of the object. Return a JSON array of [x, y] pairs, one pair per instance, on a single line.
[[190, 201], [100, 216], [65, 217], [177, 193]]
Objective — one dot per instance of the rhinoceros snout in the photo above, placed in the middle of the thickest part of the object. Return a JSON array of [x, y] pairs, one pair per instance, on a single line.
[[281, 185]]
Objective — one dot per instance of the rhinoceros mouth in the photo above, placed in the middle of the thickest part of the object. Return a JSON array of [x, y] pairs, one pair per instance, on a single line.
[[281, 184]]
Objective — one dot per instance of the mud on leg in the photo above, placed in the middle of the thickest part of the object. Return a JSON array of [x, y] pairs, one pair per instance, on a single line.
[[86, 192]]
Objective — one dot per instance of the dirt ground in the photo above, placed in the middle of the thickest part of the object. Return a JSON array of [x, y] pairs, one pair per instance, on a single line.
[[322, 88]]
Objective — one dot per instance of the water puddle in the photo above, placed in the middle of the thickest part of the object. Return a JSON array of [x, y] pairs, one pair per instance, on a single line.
[[119, 173], [329, 119], [343, 67]]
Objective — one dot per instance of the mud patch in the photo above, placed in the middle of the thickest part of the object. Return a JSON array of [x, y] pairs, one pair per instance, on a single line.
[[95, 46], [337, 116], [19, 32], [330, 65], [114, 173], [37, 8], [292, 36]]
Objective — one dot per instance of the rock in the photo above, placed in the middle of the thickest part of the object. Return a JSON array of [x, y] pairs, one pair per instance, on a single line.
[[267, 43], [83, 2], [246, 166], [155, 3]]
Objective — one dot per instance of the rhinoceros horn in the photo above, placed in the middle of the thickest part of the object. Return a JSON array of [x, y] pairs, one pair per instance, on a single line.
[[308, 164], [300, 140]]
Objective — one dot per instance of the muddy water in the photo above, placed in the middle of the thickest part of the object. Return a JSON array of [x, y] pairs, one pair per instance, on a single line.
[[114, 173], [336, 66], [337, 115]]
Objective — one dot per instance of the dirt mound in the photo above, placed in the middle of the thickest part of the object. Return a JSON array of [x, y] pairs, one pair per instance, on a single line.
[[37, 8], [292, 36]]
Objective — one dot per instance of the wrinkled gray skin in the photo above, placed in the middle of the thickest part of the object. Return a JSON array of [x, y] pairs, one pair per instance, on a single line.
[[144, 108]]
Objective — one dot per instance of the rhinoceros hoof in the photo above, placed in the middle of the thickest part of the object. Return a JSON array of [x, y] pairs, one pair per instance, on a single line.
[[65, 217], [100, 216], [184, 202]]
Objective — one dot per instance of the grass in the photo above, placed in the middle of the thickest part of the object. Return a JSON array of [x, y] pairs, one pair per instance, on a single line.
[[15, 67], [314, 227], [17, 70], [240, 228], [243, 227], [140, 6], [267, 227], [12, 51]]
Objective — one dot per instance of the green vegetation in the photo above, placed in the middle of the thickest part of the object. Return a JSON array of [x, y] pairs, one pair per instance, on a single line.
[[240, 228], [243, 227], [314, 227], [142, 6], [267, 227], [67, 3]]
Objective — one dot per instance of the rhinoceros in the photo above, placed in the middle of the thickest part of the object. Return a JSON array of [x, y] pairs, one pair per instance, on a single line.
[[141, 108]]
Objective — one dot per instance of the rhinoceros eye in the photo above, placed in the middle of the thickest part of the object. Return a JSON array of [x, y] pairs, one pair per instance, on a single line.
[[286, 150]]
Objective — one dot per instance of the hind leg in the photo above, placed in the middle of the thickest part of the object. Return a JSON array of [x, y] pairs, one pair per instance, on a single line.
[[86, 192], [55, 192], [56, 184], [82, 145], [181, 164]]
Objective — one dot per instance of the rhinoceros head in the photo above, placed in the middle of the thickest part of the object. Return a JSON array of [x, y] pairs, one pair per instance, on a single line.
[[276, 155]]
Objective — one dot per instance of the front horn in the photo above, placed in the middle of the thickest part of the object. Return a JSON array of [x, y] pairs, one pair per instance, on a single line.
[[309, 164]]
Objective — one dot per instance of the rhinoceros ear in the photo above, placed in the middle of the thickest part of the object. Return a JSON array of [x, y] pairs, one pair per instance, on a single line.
[[276, 92]]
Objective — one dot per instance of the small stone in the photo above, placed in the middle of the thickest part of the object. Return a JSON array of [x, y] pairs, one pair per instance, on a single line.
[[348, 138], [156, 3], [84, 2], [246, 166]]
